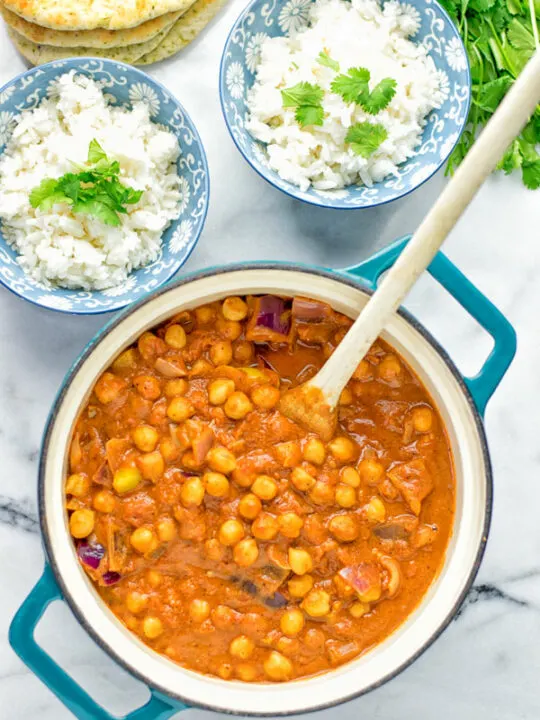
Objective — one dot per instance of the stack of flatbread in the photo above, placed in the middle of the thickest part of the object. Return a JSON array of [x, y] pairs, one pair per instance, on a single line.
[[139, 32]]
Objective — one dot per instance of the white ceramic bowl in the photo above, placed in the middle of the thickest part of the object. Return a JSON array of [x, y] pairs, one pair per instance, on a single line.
[[439, 605]]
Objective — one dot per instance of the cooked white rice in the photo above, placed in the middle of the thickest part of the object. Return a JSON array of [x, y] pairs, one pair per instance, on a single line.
[[356, 34], [78, 251]]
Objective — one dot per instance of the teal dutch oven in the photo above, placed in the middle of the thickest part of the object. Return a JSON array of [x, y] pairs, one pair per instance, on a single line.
[[460, 400]]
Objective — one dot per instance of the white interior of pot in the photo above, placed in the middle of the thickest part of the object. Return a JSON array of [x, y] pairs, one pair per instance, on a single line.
[[381, 662]]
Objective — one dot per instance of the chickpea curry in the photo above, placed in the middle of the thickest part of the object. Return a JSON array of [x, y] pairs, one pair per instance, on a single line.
[[225, 536]]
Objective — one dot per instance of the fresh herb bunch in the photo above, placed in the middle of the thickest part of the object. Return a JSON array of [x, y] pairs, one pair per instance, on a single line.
[[500, 37], [95, 190]]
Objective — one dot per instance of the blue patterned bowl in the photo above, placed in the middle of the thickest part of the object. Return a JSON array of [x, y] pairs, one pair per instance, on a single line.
[[123, 85], [444, 126]]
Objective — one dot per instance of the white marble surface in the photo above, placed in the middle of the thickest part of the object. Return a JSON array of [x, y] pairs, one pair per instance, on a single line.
[[486, 665]]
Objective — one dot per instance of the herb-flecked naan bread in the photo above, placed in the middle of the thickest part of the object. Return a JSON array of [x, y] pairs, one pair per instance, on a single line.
[[184, 30], [98, 38], [39, 54], [91, 14]]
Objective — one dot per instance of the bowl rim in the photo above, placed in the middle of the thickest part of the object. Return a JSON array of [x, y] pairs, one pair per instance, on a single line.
[[149, 79], [291, 190], [469, 574]]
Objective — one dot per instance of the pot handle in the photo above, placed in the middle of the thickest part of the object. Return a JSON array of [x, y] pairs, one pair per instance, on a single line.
[[77, 700], [484, 383]]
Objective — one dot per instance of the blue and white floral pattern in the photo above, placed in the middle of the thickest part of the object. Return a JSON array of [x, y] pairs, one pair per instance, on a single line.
[[443, 128], [124, 85]]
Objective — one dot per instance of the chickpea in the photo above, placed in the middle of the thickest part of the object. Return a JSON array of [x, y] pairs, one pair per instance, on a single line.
[[322, 493], [147, 386], [109, 387], [216, 484], [145, 438], [243, 352], [265, 526], [204, 314], [265, 396], [214, 550], [314, 451], [292, 622], [314, 638], [342, 448], [225, 671], [201, 368], [290, 524], [223, 617], [300, 561], [300, 586], [231, 532], [302, 480], [288, 453], [350, 477], [81, 523], [125, 361], [317, 603], [192, 493], [246, 672], [237, 406], [246, 552], [229, 329], [175, 337], [144, 540], [389, 369], [363, 371], [104, 501], [422, 418], [221, 460], [221, 352], [154, 578], [371, 471], [77, 485], [152, 627], [345, 496], [344, 527], [278, 667], [234, 308], [176, 387], [199, 610], [220, 390], [166, 529], [358, 609], [375, 510], [126, 479], [264, 487], [180, 409], [242, 647], [288, 646], [249, 506], [151, 465], [346, 397], [168, 449], [136, 602], [243, 478]]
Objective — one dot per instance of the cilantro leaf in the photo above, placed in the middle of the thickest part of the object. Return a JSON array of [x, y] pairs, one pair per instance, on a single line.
[[364, 138], [531, 174], [481, 5], [96, 190], [303, 93], [520, 36], [325, 59], [353, 86], [491, 93], [309, 115], [379, 98]]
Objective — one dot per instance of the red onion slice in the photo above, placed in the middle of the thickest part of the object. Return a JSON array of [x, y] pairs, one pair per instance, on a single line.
[[90, 554]]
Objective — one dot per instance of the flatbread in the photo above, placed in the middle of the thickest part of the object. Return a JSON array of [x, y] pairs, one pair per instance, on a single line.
[[98, 38], [39, 54], [184, 30], [91, 14]]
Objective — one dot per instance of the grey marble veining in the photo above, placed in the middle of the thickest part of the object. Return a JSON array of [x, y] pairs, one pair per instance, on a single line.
[[487, 663]]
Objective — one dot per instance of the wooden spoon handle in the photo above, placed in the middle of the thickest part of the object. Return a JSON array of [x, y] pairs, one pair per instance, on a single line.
[[504, 126]]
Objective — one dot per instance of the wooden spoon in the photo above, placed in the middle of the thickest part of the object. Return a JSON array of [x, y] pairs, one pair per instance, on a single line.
[[313, 404]]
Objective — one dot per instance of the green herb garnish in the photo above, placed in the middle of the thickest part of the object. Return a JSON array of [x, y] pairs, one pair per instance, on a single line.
[[325, 59], [364, 138], [307, 99], [354, 88], [96, 190], [500, 37]]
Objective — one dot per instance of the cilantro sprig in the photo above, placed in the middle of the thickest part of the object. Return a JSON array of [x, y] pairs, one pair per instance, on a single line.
[[365, 137], [353, 86], [307, 101], [95, 190], [325, 59], [500, 37]]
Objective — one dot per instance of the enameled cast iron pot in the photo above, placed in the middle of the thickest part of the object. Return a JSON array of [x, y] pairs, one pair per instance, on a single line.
[[461, 402]]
